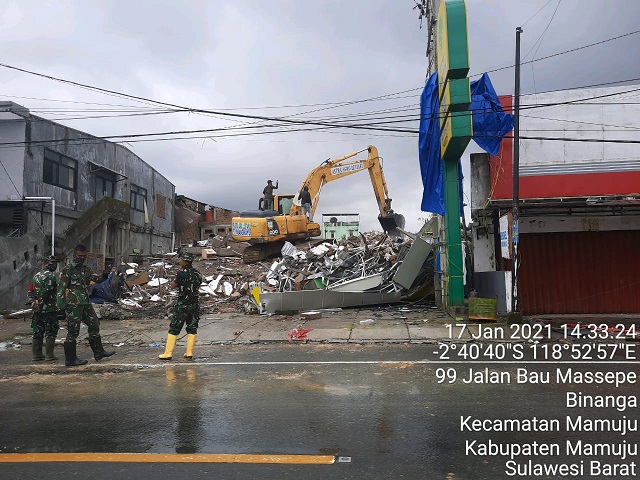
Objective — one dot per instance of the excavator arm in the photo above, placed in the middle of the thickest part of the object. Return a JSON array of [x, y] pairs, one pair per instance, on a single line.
[[331, 170]]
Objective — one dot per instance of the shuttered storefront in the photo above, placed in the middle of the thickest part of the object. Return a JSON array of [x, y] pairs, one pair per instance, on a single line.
[[580, 272]]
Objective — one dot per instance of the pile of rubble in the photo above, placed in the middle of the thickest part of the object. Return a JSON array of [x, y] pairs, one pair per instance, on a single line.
[[371, 262], [358, 263], [366, 270]]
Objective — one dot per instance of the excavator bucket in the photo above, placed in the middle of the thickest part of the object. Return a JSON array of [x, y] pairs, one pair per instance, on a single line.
[[391, 224]]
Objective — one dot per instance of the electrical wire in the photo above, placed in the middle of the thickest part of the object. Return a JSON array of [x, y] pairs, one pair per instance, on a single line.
[[223, 112], [557, 54], [540, 38], [541, 8], [320, 123]]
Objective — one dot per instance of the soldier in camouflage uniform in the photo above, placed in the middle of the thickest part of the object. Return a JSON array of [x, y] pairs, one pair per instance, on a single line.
[[187, 309], [73, 296], [44, 322]]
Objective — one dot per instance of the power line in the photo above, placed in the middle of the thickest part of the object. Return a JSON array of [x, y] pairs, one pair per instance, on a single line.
[[226, 112], [281, 120], [539, 40], [568, 139], [578, 121], [559, 53], [541, 8]]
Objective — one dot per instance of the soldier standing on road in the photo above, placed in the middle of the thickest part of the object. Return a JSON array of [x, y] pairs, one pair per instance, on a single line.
[[73, 296], [187, 309], [45, 311], [268, 194]]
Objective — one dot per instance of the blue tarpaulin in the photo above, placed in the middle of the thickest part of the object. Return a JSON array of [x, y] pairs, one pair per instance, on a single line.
[[490, 124], [429, 149]]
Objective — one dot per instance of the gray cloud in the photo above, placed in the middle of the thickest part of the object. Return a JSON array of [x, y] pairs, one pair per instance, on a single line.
[[251, 54]]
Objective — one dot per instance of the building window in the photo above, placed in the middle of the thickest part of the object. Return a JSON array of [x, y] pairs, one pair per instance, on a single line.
[[161, 202], [138, 197], [59, 170], [104, 186]]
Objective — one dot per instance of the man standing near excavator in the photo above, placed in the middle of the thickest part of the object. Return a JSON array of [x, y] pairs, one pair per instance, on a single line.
[[187, 309], [268, 194], [305, 200]]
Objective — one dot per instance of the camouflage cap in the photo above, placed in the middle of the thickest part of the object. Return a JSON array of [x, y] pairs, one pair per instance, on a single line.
[[50, 258], [187, 257]]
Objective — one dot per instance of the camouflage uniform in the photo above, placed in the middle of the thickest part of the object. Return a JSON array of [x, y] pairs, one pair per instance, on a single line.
[[45, 317], [73, 296], [187, 309]]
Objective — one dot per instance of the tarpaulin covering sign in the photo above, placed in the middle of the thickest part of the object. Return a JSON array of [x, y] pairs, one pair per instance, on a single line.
[[429, 149], [490, 124]]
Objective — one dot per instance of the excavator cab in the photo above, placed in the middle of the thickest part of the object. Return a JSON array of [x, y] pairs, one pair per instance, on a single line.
[[281, 204]]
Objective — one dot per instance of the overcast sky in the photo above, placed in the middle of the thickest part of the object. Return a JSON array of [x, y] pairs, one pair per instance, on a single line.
[[282, 58]]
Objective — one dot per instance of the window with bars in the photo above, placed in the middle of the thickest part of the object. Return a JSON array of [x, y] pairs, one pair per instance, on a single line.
[[138, 197], [59, 170]]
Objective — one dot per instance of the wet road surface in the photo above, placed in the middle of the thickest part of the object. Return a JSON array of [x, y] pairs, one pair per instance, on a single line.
[[378, 410]]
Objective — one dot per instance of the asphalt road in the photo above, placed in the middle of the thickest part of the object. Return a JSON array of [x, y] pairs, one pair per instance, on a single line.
[[374, 411]]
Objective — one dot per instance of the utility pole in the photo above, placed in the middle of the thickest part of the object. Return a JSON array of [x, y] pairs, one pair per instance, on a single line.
[[429, 11], [515, 227]]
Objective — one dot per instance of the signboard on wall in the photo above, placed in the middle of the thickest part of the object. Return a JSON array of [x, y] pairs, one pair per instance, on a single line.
[[505, 243]]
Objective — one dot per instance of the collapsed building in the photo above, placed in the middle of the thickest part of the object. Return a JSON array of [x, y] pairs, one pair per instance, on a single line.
[[371, 269]]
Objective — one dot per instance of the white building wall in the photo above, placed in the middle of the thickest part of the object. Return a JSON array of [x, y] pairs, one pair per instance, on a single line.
[[604, 118]]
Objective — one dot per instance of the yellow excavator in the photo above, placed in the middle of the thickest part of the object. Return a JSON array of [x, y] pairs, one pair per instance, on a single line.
[[267, 230]]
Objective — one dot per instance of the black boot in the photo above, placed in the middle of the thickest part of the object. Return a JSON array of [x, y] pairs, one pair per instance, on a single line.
[[49, 345], [98, 350], [70, 357], [36, 349]]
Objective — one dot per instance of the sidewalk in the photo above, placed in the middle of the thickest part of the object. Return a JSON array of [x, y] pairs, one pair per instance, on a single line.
[[385, 324], [389, 324]]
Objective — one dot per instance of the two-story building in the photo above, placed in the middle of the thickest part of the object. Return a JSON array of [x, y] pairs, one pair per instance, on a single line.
[[60, 187]]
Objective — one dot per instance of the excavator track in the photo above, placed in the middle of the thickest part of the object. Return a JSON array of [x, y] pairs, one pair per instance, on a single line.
[[261, 251]]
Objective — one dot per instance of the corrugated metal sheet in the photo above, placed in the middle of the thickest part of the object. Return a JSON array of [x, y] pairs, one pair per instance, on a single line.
[[580, 272]]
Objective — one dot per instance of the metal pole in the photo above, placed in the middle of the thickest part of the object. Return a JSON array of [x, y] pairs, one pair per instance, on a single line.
[[53, 218], [516, 178], [53, 226]]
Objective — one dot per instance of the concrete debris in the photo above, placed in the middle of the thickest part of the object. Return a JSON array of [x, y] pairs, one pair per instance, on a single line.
[[113, 311], [157, 282], [308, 277]]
